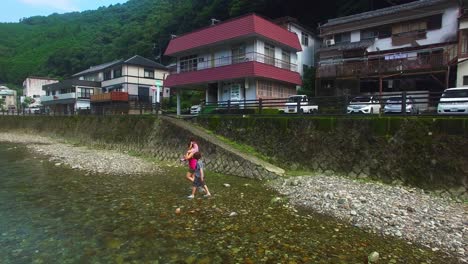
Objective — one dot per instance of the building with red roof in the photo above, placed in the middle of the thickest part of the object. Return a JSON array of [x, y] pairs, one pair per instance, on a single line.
[[245, 58]]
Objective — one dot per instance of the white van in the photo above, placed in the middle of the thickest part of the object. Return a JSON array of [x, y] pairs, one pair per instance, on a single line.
[[454, 101]]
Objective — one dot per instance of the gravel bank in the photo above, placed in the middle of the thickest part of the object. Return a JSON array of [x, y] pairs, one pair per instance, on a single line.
[[91, 160], [408, 213]]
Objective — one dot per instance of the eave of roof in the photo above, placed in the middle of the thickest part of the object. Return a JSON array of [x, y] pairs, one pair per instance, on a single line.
[[70, 83], [136, 60], [363, 44], [248, 25], [381, 12]]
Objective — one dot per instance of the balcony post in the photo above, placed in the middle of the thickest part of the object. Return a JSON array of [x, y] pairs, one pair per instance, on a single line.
[[403, 103], [178, 101], [229, 106], [260, 105], [298, 106]]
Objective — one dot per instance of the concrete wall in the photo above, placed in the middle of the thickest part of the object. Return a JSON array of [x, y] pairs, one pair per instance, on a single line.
[[32, 87]]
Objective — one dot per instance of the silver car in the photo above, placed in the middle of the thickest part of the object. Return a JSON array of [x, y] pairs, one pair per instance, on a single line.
[[393, 105]]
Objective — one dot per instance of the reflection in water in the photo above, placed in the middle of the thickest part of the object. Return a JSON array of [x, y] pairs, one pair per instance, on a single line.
[[52, 214]]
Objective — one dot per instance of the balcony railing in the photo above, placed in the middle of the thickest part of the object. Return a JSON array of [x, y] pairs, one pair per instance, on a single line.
[[46, 98], [223, 61], [383, 65], [108, 97]]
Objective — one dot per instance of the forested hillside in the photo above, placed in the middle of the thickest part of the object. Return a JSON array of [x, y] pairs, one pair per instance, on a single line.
[[59, 45]]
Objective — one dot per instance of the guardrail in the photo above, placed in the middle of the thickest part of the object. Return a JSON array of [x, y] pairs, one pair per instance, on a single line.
[[400, 103], [403, 103]]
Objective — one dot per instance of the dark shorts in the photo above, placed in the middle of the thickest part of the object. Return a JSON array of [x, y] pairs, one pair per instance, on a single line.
[[191, 170], [197, 182]]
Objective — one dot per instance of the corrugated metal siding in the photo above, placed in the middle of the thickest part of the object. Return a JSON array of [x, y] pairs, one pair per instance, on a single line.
[[236, 71], [244, 26]]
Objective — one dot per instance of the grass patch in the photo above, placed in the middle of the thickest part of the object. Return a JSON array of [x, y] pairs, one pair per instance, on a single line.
[[236, 145]]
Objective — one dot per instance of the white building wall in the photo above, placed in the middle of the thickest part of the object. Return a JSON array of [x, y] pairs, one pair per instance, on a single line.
[[32, 87], [307, 55], [446, 33], [462, 71], [355, 36]]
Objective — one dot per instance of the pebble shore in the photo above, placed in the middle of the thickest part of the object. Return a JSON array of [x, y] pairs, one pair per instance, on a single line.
[[407, 213], [82, 158]]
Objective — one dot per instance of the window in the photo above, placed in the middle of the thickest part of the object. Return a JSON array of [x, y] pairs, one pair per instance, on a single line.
[[149, 73], [118, 72], [368, 34], [465, 80], [269, 54], [107, 75], [188, 63], [434, 22], [409, 27], [238, 53], [384, 32], [85, 93], [305, 39], [343, 38], [286, 60]]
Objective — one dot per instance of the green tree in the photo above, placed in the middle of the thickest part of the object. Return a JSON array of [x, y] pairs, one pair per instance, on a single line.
[[2, 103], [27, 102], [308, 82]]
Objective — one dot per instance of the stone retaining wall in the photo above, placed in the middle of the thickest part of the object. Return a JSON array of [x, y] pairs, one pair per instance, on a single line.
[[146, 135], [430, 153]]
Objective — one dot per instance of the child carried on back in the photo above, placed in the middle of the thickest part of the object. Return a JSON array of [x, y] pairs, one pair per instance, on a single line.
[[192, 163]]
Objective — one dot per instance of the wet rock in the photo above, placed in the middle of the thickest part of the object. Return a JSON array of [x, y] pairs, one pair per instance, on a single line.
[[232, 214], [373, 257]]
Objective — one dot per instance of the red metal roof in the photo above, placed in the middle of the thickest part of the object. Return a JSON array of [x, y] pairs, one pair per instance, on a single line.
[[235, 71], [231, 29]]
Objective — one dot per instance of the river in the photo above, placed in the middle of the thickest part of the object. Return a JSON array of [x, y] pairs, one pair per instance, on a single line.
[[54, 214]]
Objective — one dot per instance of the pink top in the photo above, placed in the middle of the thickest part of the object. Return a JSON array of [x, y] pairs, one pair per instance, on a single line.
[[192, 161]]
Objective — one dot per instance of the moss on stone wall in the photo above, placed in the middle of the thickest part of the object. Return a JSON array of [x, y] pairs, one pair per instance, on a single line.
[[144, 135], [424, 152]]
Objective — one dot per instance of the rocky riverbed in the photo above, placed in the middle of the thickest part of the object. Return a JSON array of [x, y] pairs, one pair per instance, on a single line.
[[83, 158], [408, 213]]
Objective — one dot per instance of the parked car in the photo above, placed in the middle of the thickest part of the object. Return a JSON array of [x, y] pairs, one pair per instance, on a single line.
[[306, 105], [394, 105], [195, 109], [453, 101], [363, 105]]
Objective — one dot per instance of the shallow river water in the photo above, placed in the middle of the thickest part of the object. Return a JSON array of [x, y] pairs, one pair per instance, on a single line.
[[53, 214]]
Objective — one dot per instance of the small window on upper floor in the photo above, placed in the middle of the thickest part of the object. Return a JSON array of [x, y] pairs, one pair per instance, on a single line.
[[118, 72], [343, 37], [434, 22], [305, 39], [368, 34], [149, 73], [188, 63], [107, 75], [465, 80]]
